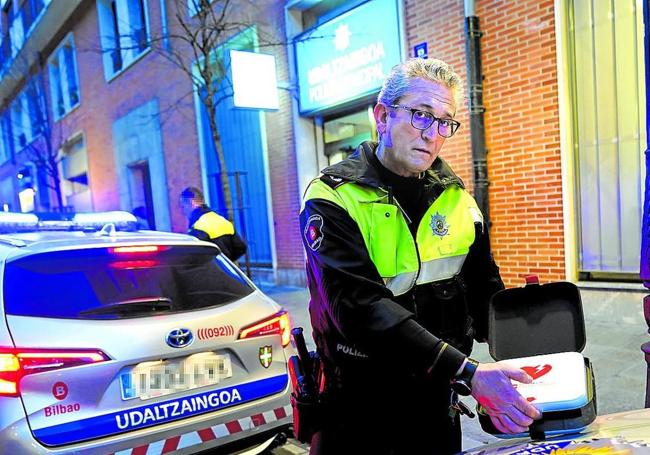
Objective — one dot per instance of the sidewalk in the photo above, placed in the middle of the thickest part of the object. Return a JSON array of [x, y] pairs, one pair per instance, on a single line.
[[615, 330]]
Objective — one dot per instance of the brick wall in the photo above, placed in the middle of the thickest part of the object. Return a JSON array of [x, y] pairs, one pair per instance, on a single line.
[[281, 150], [521, 124], [102, 102]]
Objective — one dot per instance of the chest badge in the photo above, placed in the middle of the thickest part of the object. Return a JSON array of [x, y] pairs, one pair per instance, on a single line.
[[439, 225]]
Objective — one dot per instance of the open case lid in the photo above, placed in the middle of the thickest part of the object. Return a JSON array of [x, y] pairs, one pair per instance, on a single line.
[[536, 319]]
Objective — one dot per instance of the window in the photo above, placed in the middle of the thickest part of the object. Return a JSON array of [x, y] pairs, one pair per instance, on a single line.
[[7, 193], [609, 114], [16, 32], [5, 40], [64, 83], [343, 134], [35, 106], [28, 114], [124, 35], [5, 137], [99, 284], [27, 183], [20, 122], [74, 173]]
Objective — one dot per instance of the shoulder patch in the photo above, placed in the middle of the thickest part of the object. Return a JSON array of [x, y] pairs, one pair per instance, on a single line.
[[331, 181], [314, 232]]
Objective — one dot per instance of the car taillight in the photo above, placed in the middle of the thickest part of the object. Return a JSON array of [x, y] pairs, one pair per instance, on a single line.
[[16, 363], [276, 324], [127, 265], [135, 249]]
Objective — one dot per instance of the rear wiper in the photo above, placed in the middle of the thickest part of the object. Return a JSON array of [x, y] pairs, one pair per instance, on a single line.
[[141, 305]]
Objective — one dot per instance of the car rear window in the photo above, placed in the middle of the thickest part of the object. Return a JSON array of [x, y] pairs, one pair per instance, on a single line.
[[103, 283]]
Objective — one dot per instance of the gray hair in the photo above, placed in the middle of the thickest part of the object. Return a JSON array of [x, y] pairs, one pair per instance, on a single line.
[[399, 79]]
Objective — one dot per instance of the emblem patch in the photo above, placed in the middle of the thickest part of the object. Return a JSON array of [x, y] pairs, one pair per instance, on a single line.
[[314, 232], [60, 390], [266, 356], [439, 225]]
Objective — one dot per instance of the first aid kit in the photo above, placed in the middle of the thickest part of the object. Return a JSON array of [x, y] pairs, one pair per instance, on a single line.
[[541, 329]]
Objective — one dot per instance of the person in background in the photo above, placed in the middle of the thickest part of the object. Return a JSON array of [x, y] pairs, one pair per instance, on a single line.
[[140, 213], [206, 224], [400, 273]]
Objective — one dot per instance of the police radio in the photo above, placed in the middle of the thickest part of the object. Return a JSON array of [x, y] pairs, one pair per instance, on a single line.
[[304, 370]]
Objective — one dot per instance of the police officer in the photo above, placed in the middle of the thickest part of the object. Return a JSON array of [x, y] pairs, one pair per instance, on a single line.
[[400, 272], [206, 224]]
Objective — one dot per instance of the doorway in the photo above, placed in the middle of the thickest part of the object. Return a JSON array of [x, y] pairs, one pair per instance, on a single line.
[[343, 133], [607, 86], [141, 194]]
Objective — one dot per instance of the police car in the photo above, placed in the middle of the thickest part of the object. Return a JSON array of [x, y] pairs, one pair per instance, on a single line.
[[623, 433], [115, 340]]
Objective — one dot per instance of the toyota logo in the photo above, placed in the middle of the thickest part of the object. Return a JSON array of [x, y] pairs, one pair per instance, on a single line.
[[179, 338]]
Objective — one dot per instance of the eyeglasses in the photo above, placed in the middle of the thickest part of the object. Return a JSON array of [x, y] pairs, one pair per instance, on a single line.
[[422, 120]]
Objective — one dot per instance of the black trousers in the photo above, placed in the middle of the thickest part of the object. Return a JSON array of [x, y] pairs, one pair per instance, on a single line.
[[391, 421]]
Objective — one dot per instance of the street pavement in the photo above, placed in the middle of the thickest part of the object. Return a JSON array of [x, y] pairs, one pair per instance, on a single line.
[[615, 329]]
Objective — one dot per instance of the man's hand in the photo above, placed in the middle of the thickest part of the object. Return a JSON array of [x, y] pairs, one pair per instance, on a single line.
[[508, 410]]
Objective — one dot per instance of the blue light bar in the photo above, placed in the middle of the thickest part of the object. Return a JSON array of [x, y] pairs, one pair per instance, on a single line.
[[18, 219], [104, 218], [120, 220], [23, 222]]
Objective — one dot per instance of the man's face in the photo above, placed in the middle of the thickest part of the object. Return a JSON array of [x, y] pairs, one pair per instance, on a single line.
[[186, 206], [408, 151]]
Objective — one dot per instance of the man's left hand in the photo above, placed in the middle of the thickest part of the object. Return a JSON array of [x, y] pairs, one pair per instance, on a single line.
[[507, 408]]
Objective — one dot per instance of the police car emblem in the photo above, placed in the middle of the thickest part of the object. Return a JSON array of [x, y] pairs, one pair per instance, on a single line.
[[266, 356], [314, 231], [439, 225], [180, 338]]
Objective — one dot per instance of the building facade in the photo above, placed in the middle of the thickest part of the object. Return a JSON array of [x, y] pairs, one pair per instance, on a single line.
[[88, 95], [564, 99], [92, 94]]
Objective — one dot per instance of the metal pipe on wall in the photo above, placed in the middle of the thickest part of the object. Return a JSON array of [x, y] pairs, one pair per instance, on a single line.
[[476, 109]]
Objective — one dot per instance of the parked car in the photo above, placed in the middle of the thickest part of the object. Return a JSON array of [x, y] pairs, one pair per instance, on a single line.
[[116, 340], [623, 433]]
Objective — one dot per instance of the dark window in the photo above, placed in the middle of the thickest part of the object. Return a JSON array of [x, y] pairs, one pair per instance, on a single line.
[[117, 51], [101, 284]]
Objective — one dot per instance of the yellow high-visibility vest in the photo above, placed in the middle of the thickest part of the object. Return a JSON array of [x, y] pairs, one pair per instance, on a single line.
[[214, 225], [443, 237]]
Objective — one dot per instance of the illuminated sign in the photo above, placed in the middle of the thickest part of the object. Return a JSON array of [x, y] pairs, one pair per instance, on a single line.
[[254, 80], [348, 57]]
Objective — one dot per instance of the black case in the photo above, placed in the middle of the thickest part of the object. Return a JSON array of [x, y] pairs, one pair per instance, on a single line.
[[536, 320]]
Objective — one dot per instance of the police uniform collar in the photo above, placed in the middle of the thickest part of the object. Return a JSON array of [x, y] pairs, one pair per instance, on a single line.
[[358, 168], [198, 213]]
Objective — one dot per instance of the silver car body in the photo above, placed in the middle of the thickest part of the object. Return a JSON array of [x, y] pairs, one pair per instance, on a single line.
[[93, 407], [624, 433]]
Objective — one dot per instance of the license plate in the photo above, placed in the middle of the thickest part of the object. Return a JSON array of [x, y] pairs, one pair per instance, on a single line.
[[156, 379]]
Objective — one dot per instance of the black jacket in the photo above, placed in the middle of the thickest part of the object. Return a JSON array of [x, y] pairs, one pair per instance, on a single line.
[[358, 325], [230, 244]]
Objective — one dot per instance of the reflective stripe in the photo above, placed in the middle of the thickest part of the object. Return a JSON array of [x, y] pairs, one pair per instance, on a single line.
[[441, 269], [477, 216], [401, 283]]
